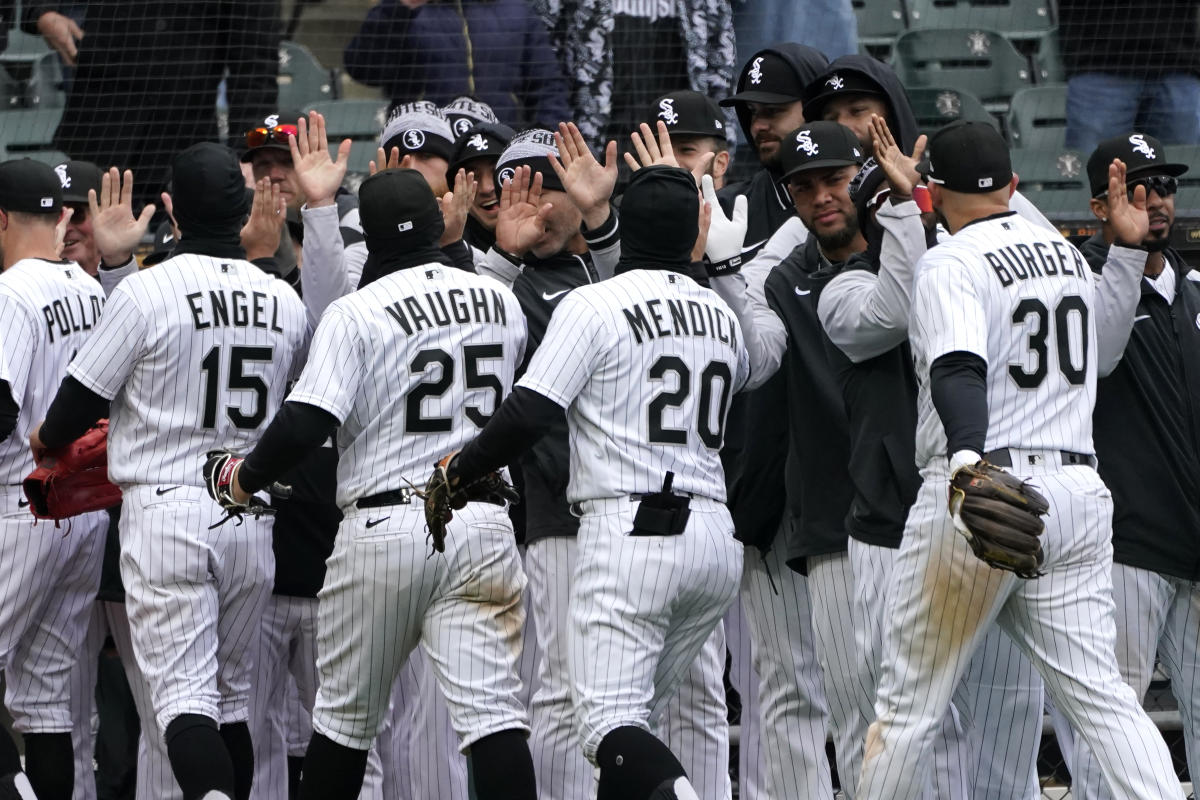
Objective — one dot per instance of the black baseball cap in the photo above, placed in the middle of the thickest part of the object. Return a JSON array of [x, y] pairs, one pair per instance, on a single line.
[[688, 113], [267, 137], [164, 245], [76, 178], [481, 140], [968, 157], [834, 84], [1142, 154], [819, 145], [767, 78], [30, 187]]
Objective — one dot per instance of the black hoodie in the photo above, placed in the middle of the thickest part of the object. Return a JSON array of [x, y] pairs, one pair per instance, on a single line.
[[768, 203], [901, 121]]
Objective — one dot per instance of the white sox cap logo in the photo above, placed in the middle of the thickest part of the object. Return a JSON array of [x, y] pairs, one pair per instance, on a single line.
[[804, 142], [835, 83], [461, 126], [413, 138], [1141, 146], [505, 175], [478, 142], [63, 177], [667, 113], [756, 74], [271, 121]]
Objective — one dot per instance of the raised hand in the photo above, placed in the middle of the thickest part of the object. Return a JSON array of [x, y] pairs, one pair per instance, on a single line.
[[1128, 216], [62, 34], [654, 153], [262, 232], [522, 218], [60, 229], [901, 170], [725, 234], [317, 175], [589, 184], [116, 230], [456, 205], [389, 161]]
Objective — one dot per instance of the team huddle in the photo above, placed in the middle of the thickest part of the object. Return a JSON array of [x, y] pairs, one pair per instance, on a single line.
[[836, 421]]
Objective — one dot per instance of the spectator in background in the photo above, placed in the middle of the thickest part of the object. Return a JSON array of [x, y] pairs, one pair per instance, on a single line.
[[622, 54], [1130, 66], [147, 74], [497, 51], [828, 25]]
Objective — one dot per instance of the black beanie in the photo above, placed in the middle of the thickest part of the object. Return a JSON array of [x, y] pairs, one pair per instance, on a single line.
[[209, 195], [401, 222], [659, 220]]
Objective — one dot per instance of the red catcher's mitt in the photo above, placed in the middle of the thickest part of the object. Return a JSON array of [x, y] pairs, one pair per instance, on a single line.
[[73, 480]]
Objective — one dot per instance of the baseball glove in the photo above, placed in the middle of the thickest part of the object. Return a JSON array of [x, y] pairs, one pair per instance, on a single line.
[[1000, 516], [443, 496], [73, 480], [219, 467]]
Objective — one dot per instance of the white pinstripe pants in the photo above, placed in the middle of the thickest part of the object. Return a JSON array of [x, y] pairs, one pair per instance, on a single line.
[[941, 601], [1160, 613], [642, 608]]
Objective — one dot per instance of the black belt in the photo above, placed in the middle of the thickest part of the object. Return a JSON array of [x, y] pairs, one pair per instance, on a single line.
[[402, 497], [1003, 458]]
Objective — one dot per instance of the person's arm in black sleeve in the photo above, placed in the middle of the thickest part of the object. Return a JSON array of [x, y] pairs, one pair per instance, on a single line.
[[958, 388], [522, 419], [75, 408], [9, 411], [297, 430]]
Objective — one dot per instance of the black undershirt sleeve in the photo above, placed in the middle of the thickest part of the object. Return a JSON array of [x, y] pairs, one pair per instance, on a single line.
[[297, 430], [75, 408], [522, 419], [958, 386], [8, 411]]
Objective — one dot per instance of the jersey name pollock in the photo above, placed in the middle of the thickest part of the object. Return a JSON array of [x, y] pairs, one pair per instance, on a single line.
[[1021, 298], [47, 311], [645, 363], [413, 366]]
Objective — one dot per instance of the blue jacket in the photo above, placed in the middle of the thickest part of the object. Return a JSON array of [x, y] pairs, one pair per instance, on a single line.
[[497, 51]]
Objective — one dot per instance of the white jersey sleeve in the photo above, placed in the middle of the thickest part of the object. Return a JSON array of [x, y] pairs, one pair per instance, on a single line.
[[335, 368], [104, 364], [575, 341], [109, 278]]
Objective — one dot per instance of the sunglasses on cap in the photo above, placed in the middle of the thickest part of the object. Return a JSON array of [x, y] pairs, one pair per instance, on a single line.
[[1164, 185], [257, 137]]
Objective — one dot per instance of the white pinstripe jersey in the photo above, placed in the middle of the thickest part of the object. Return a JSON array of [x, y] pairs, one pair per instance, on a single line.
[[413, 365], [47, 310], [645, 364], [1020, 297], [195, 355]]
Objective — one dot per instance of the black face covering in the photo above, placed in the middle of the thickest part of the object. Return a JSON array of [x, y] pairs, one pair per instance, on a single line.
[[211, 201], [659, 220], [401, 223]]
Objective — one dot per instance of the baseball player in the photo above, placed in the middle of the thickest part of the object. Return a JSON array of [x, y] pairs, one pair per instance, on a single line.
[[49, 308], [1155, 589], [194, 356], [405, 369], [1004, 339], [644, 365]]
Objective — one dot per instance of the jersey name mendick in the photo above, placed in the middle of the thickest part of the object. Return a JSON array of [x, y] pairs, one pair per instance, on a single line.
[[1022, 262], [438, 309], [654, 319]]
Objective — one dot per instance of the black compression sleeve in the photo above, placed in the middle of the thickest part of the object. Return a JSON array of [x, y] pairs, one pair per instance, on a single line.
[[521, 420], [9, 411], [297, 430], [75, 409], [958, 386]]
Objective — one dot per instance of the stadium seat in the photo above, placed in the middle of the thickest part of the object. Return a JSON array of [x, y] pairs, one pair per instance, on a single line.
[[1015, 18], [981, 62], [12, 93], [23, 48], [1037, 117], [1047, 59], [302, 79], [29, 133], [45, 89], [1055, 180], [878, 23], [358, 120], [937, 106]]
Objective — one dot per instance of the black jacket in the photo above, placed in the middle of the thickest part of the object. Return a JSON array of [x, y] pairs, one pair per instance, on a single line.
[[1145, 427], [546, 467], [819, 489], [903, 123]]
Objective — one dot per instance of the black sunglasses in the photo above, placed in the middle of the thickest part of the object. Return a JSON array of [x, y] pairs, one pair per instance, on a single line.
[[1164, 185]]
